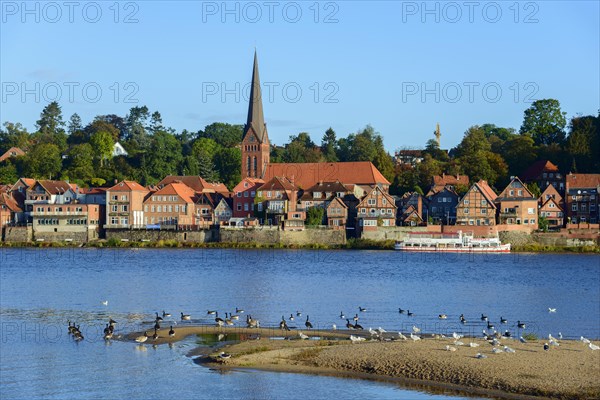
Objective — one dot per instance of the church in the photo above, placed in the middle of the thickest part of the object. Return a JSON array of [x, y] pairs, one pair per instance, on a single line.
[[256, 149]]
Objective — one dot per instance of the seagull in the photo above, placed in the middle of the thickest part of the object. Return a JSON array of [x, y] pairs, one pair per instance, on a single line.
[[473, 344], [593, 346], [442, 316], [496, 350], [334, 327], [302, 335], [414, 337], [584, 340], [458, 343], [508, 349], [522, 340], [415, 329], [105, 302], [456, 335], [372, 332], [450, 348], [401, 336], [381, 330], [551, 310], [480, 356], [356, 339]]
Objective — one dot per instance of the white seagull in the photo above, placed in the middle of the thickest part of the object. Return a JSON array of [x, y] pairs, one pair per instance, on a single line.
[[473, 344], [356, 339], [551, 310], [584, 340], [450, 348], [480, 356], [415, 329], [302, 335], [105, 302], [414, 337], [508, 349], [401, 336], [593, 346]]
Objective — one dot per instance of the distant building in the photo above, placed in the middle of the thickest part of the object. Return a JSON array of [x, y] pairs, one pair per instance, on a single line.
[[476, 207], [517, 205], [544, 173], [125, 205], [408, 204], [171, 205], [244, 194], [442, 205], [552, 207], [336, 213], [277, 197], [439, 182], [408, 158], [119, 150], [197, 183], [376, 208], [581, 193], [12, 152]]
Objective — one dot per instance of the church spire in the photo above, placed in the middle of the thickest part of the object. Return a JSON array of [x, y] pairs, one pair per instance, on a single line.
[[256, 119]]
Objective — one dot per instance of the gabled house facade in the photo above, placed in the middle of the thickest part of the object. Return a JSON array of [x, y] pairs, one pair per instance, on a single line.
[[223, 211], [412, 200], [125, 205], [277, 197], [517, 205], [442, 206], [581, 193], [172, 205], [244, 194], [321, 193], [551, 206], [476, 207], [337, 213], [544, 173], [375, 209]]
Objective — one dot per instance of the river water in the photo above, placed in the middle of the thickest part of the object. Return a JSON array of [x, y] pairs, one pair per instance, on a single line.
[[40, 289]]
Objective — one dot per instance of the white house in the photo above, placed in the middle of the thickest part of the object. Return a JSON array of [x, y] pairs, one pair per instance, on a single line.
[[119, 150]]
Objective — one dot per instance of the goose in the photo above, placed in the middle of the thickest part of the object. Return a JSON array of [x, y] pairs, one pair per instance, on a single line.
[[462, 319], [234, 317], [156, 325], [158, 318], [356, 339], [78, 336], [218, 320], [357, 326], [521, 325], [490, 325], [592, 346], [111, 321], [522, 339], [291, 317], [414, 337], [108, 335], [342, 316], [166, 314], [356, 317], [298, 314], [171, 331], [508, 349], [507, 333], [401, 336], [551, 310], [484, 317], [228, 321], [496, 350], [224, 356], [480, 356], [442, 316], [185, 317], [71, 327], [546, 347], [362, 309], [473, 344], [450, 348], [349, 325], [302, 335], [211, 312], [503, 320], [238, 310], [282, 324], [401, 311], [142, 338], [155, 335], [106, 330], [105, 302], [410, 314], [307, 323]]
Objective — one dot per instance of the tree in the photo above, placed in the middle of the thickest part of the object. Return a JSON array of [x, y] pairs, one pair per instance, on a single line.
[[164, 156], [74, 124], [102, 145], [8, 173], [544, 122], [14, 135], [314, 216], [226, 135], [50, 127], [227, 164], [476, 159], [80, 162], [519, 152], [43, 161], [383, 162], [583, 143], [534, 189], [329, 146], [302, 149]]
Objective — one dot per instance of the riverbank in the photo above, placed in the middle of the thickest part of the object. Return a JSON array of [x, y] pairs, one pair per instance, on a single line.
[[569, 371], [351, 244]]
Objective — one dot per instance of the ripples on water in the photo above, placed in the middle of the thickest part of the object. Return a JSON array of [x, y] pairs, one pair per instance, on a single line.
[[42, 289]]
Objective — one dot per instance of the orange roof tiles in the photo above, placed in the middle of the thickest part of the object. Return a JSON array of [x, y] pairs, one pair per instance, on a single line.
[[12, 152], [305, 175], [587, 181], [128, 185], [177, 188], [536, 169], [55, 187], [487, 190]]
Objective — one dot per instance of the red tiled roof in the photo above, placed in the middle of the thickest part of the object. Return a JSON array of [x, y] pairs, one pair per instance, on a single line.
[[506, 192], [94, 190], [55, 187], [9, 202], [587, 181], [128, 185], [180, 189], [252, 183], [305, 175], [9, 153], [486, 190], [453, 180], [197, 183], [278, 183], [536, 169]]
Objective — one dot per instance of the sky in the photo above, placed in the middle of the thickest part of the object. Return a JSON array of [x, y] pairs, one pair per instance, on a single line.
[[400, 66]]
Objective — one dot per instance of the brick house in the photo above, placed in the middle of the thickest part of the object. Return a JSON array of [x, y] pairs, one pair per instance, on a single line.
[[244, 194], [223, 211], [551, 206], [125, 205], [172, 205], [581, 193], [336, 213], [439, 182], [410, 217], [205, 204], [412, 200], [477, 206], [442, 205], [517, 205], [544, 173], [376, 208], [196, 183], [68, 221], [277, 197], [321, 194], [9, 209]]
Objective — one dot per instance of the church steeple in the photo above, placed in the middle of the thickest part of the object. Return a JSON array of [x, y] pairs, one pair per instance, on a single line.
[[255, 142]]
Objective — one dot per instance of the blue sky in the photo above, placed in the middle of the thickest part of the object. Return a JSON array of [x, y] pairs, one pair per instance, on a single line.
[[400, 66]]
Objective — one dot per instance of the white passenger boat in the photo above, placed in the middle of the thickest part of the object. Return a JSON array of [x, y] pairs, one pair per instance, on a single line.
[[451, 243]]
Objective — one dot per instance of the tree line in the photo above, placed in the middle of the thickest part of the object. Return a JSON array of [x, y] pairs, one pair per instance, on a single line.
[[82, 154]]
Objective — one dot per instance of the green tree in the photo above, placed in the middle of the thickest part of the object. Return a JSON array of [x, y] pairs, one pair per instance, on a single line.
[[164, 156], [80, 162], [583, 143], [314, 216], [329, 146], [476, 159], [75, 124], [519, 152], [226, 135], [102, 145], [50, 127], [534, 189], [302, 149], [43, 161], [227, 164], [544, 122], [14, 135], [383, 162], [8, 173]]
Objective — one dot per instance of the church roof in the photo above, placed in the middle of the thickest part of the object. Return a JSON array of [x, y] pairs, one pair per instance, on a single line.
[[306, 175]]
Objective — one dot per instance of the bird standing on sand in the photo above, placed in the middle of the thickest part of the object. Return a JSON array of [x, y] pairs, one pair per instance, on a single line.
[[593, 346], [142, 338], [307, 323], [349, 325], [546, 347], [171, 331]]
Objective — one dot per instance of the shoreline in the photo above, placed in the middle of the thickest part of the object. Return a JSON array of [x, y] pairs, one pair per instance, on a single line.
[[359, 244], [564, 372]]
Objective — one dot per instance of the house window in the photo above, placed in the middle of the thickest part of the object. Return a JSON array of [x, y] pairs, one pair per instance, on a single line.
[[440, 199], [551, 205], [124, 197], [520, 192], [269, 194], [466, 202], [239, 206], [484, 210], [205, 211], [371, 202], [114, 208], [363, 210], [158, 208], [253, 194], [574, 207], [384, 201], [531, 211], [115, 197], [146, 208], [260, 207], [176, 208], [245, 206], [124, 208], [583, 207], [114, 221], [170, 208], [484, 202], [466, 210]]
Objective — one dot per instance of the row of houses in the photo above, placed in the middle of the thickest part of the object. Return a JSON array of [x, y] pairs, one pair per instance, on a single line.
[[359, 201]]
